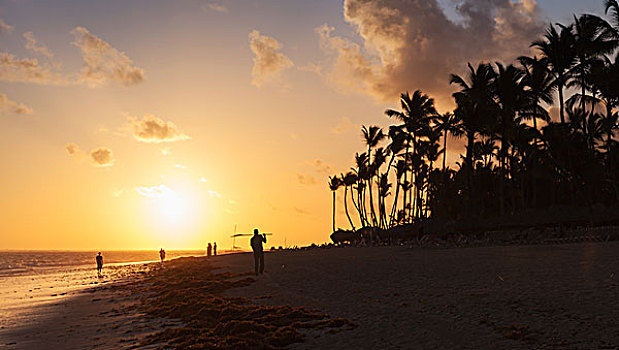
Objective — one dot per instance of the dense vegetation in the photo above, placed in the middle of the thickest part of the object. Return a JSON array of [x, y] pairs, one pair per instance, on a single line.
[[516, 158]]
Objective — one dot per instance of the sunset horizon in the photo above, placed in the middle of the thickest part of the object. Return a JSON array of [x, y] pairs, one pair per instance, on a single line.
[[115, 131], [275, 174]]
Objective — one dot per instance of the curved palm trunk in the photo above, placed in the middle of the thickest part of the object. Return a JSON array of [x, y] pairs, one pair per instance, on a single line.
[[372, 211], [352, 198], [444, 150], [405, 191], [502, 177], [346, 207], [394, 206], [469, 172], [333, 211], [561, 102]]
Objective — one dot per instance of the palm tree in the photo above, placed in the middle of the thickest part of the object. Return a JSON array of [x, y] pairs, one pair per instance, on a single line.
[[510, 98], [539, 87], [613, 7], [417, 111], [334, 184], [348, 180], [362, 173], [593, 37], [383, 193], [486, 149], [372, 136], [448, 123], [602, 79], [558, 49], [475, 101]]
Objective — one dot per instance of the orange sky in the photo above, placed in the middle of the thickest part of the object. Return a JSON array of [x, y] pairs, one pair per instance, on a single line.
[[164, 124]]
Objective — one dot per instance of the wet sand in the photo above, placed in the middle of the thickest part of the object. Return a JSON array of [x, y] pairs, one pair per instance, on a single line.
[[511, 297]]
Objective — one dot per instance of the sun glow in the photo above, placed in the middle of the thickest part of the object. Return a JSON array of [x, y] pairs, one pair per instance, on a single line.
[[168, 208], [173, 208]]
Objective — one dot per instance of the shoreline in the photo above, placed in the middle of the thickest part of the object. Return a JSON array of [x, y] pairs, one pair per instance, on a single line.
[[513, 296]]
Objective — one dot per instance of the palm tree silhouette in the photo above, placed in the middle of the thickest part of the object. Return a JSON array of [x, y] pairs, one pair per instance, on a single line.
[[448, 123], [475, 102], [334, 184], [593, 37], [348, 180], [417, 111], [558, 49], [512, 163], [372, 136], [613, 7], [539, 87]]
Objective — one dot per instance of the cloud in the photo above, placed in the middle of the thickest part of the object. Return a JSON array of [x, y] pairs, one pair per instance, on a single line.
[[102, 62], [180, 166], [154, 192], [73, 149], [343, 126], [154, 130], [268, 62], [33, 45], [5, 28], [102, 157], [305, 179], [28, 70], [9, 106], [214, 6], [321, 167], [406, 45]]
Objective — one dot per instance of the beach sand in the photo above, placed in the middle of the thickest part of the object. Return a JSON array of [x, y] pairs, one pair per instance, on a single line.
[[509, 297]]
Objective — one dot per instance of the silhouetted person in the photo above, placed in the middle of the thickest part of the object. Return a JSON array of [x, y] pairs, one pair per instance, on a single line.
[[256, 245], [215, 249], [162, 254], [99, 263], [209, 249]]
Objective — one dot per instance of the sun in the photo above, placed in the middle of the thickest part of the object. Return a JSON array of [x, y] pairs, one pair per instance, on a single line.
[[173, 208]]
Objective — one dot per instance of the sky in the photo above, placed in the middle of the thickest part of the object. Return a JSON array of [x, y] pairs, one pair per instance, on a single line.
[[147, 124]]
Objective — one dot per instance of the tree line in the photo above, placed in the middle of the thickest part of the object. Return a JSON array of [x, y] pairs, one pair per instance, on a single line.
[[516, 157]]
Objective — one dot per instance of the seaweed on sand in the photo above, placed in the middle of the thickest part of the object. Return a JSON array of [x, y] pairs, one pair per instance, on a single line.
[[188, 289]]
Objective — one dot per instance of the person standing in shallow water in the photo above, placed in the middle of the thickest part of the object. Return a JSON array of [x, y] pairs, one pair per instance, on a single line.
[[99, 259], [215, 249], [209, 249], [256, 245]]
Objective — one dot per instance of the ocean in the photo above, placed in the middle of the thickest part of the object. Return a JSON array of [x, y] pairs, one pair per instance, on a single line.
[[31, 278]]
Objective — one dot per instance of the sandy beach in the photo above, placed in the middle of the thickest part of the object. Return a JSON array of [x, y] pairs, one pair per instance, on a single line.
[[508, 297]]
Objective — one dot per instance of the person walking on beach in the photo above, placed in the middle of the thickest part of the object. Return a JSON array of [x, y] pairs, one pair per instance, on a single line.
[[209, 249], [256, 245], [215, 249], [162, 254], [99, 259]]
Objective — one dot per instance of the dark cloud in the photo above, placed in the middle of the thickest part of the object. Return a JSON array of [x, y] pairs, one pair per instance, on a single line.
[[413, 44]]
